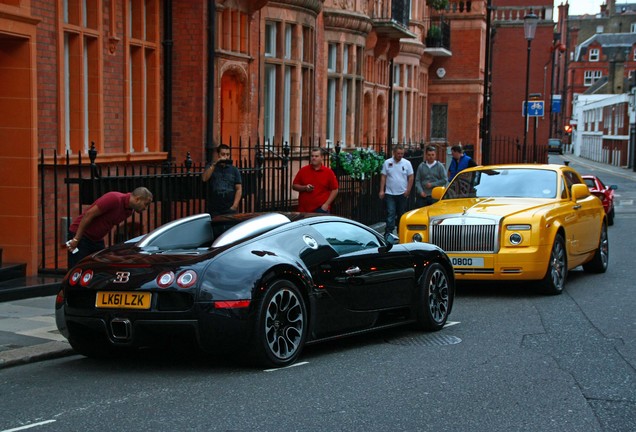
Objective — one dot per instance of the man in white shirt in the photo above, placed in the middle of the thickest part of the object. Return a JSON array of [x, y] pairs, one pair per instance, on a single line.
[[395, 186]]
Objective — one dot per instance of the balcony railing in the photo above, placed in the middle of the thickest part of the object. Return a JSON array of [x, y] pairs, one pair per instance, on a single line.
[[438, 37], [391, 18]]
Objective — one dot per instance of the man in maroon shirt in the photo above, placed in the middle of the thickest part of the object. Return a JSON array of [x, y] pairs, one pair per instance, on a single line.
[[88, 230], [316, 185]]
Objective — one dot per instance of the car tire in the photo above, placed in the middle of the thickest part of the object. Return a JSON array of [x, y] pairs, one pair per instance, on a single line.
[[600, 260], [610, 217], [281, 325], [554, 279], [434, 299]]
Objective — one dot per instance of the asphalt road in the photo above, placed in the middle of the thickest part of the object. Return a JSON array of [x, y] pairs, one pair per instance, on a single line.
[[511, 360]]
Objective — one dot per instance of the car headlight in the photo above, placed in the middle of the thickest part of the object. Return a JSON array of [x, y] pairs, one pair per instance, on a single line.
[[417, 237], [515, 238]]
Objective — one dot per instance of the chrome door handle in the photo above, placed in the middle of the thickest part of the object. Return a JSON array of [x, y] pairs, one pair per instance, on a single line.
[[576, 207], [352, 270]]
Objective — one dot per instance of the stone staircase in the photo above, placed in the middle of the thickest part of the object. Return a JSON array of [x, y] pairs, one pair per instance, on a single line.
[[15, 284]]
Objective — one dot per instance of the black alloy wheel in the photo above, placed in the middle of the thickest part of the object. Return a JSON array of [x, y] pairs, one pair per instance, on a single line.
[[281, 325], [600, 261], [435, 298]]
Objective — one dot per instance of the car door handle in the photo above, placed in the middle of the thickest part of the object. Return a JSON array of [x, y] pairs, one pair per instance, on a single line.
[[352, 270], [576, 207]]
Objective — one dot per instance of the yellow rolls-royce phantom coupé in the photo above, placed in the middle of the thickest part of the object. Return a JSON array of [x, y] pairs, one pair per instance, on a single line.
[[514, 222]]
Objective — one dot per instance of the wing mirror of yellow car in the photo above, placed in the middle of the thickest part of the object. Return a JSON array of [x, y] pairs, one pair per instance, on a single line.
[[438, 192], [580, 191]]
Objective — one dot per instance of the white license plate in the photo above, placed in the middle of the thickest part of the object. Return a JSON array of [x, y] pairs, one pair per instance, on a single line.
[[467, 262]]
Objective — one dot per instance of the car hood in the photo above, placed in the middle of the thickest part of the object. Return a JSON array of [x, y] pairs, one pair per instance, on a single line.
[[501, 207]]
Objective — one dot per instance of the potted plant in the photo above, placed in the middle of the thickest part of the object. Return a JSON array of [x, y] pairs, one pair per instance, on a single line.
[[360, 164], [437, 4], [434, 36]]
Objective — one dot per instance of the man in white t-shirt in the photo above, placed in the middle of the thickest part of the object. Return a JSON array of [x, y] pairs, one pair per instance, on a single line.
[[395, 186]]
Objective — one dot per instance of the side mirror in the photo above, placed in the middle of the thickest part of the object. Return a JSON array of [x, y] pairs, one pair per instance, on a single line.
[[613, 187], [438, 192], [580, 191]]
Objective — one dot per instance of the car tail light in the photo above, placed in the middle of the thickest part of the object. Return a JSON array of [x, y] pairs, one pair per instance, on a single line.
[[75, 277], [231, 304], [187, 279], [59, 299], [165, 279], [86, 277]]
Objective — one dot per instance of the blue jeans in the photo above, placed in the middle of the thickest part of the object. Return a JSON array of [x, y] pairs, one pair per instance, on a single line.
[[395, 208]]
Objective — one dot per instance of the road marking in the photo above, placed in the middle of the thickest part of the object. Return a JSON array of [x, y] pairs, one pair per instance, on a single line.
[[286, 367], [42, 423]]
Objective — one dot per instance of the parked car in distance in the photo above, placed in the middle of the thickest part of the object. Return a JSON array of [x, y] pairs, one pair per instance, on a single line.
[[604, 193], [266, 284], [521, 222], [555, 145]]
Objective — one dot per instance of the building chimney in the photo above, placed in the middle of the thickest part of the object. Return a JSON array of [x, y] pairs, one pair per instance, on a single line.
[[610, 8]]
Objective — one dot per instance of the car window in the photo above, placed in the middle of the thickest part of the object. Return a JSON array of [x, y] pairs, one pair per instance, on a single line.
[[589, 182], [514, 183], [570, 179], [346, 238]]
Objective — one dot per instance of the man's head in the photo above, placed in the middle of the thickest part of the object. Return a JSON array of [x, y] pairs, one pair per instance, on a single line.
[[316, 157], [398, 152], [223, 150], [430, 155], [140, 199], [457, 151]]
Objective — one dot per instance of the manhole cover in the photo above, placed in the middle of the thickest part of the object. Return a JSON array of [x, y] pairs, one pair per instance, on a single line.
[[428, 339]]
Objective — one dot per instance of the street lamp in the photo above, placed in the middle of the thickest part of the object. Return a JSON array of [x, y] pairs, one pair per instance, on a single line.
[[529, 28]]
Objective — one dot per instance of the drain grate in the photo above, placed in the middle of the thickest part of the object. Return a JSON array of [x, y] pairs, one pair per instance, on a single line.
[[428, 339]]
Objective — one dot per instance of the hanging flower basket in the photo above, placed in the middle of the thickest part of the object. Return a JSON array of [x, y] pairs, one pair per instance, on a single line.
[[360, 164]]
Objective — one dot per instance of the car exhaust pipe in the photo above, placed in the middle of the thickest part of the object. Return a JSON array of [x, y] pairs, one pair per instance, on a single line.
[[121, 328]]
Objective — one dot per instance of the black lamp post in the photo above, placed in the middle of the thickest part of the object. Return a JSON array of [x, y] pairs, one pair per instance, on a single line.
[[529, 28]]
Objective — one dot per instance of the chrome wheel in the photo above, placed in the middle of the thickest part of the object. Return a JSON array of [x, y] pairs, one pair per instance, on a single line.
[[600, 260], [557, 272]]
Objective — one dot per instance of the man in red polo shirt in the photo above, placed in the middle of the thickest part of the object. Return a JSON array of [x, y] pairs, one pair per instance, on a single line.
[[88, 230], [316, 185]]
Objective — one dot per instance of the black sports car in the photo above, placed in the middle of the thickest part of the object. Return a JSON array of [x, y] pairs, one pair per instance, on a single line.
[[266, 283]]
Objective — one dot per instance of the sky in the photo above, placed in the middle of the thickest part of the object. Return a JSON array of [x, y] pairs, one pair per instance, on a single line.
[[580, 7]]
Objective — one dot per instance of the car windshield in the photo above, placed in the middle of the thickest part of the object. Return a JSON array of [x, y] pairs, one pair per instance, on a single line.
[[511, 182]]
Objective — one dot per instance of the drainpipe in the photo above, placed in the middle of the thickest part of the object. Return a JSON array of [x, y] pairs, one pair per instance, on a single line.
[[389, 136], [209, 100], [167, 79], [485, 122]]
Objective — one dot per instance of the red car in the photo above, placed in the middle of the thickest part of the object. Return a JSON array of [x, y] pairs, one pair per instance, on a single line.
[[604, 193]]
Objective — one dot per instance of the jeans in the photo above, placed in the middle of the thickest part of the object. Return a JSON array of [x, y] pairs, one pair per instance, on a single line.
[[395, 208]]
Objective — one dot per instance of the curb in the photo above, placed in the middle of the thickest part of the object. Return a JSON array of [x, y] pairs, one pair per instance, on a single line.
[[35, 353]]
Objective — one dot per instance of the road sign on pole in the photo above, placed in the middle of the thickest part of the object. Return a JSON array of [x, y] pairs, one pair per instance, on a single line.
[[536, 108]]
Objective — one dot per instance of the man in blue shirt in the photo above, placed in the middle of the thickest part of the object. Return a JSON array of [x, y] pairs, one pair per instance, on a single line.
[[459, 162], [224, 192]]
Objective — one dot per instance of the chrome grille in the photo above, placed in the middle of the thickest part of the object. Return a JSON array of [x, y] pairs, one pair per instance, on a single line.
[[465, 238]]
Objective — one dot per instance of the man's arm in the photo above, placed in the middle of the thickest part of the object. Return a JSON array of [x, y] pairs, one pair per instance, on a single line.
[[238, 192], [207, 173], [87, 218], [418, 179], [332, 196], [409, 186], [382, 185]]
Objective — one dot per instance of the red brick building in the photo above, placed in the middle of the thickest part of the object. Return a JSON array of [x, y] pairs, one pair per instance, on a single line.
[[151, 80], [509, 50]]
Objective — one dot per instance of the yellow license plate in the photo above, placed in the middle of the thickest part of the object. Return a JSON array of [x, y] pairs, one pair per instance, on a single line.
[[123, 300]]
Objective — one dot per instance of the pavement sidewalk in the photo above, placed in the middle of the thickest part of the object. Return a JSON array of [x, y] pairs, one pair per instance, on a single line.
[[27, 327]]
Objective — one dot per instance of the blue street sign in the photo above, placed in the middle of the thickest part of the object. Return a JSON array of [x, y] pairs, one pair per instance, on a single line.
[[535, 108], [556, 103]]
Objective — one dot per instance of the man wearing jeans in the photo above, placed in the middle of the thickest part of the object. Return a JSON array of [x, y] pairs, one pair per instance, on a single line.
[[395, 186]]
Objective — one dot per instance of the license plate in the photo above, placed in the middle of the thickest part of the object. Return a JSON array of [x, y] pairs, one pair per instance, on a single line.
[[467, 262], [123, 300]]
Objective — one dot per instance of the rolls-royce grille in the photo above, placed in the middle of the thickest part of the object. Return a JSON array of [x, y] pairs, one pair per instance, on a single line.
[[464, 238]]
